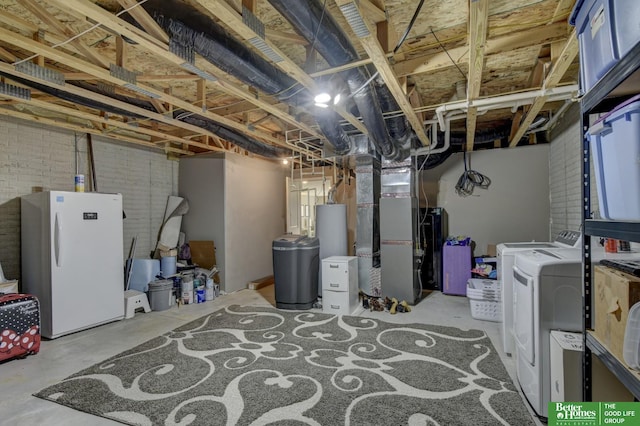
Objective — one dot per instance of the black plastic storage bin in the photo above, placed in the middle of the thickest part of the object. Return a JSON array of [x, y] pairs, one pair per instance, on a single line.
[[296, 260]]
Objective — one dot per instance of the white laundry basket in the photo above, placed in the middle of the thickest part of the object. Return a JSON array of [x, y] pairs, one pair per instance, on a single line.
[[484, 299]]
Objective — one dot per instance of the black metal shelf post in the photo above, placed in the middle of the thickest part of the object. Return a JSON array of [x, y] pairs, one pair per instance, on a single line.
[[586, 260], [622, 81]]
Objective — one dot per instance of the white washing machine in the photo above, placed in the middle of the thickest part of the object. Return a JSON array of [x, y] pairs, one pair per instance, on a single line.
[[506, 253], [547, 295]]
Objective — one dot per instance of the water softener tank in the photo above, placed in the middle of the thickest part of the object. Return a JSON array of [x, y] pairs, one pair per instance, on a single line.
[[296, 260]]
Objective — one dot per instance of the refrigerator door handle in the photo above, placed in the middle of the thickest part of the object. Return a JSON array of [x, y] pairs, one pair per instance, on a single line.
[[56, 241]]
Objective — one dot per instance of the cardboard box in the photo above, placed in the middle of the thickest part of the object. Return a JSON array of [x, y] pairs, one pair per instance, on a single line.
[[614, 293], [203, 254]]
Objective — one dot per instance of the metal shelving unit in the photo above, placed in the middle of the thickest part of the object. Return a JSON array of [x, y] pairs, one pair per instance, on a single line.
[[622, 81]]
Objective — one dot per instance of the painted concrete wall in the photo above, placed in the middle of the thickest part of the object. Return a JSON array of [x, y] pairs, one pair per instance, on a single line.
[[515, 207], [202, 184], [38, 156], [239, 203], [255, 215]]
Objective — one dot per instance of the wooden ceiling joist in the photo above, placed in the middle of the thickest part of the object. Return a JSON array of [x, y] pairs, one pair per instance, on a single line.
[[227, 14], [61, 29], [106, 76], [123, 28], [142, 17], [558, 70], [526, 48], [478, 23], [71, 76], [82, 129], [373, 11], [370, 43], [527, 38], [562, 10], [8, 69], [104, 122]]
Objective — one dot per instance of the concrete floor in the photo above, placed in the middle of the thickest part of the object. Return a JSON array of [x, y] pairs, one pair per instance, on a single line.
[[61, 357]]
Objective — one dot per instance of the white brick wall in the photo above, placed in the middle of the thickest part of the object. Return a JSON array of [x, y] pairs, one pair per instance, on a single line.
[[33, 155], [565, 180]]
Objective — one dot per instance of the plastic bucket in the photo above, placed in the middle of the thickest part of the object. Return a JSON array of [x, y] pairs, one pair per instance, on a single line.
[[168, 265], [160, 294]]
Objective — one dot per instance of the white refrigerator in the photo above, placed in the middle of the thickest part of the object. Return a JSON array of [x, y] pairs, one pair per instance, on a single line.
[[72, 258]]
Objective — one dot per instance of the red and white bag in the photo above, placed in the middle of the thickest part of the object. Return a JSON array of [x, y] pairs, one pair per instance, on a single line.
[[19, 325]]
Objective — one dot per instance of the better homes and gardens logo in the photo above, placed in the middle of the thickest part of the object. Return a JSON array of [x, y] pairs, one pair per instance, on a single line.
[[573, 413], [593, 413]]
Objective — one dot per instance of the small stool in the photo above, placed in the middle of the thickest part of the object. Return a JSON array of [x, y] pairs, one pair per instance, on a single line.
[[134, 299]]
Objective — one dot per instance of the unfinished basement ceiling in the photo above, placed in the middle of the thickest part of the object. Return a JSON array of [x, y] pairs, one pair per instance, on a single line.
[[102, 70]]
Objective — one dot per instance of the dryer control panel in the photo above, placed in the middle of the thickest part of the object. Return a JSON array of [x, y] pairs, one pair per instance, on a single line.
[[569, 238]]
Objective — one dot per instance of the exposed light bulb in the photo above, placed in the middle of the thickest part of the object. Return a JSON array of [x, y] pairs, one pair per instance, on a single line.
[[285, 161], [322, 98], [336, 99]]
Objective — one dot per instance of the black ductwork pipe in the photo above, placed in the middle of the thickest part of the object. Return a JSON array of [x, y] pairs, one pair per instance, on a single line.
[[458, 142], [242, 141], [238, 139], [397, 126], [191, 29], [320, 29]]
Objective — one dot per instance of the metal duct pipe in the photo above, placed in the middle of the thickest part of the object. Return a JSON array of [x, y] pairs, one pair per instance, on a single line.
[[319, 28], [193, 30], [367, 168]]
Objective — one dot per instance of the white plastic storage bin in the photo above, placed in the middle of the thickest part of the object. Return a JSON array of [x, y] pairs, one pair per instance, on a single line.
[[631, 345], [593, 20], [484, 299], [615, 149], [626, 18]]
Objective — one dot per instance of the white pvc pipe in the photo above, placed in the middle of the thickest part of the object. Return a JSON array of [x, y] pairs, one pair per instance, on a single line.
[[505, 101], [484, 105], [555, 117], [447, 137]]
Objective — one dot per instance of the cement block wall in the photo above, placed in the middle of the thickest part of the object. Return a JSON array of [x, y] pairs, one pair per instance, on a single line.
[[565, 179], [33, 155]]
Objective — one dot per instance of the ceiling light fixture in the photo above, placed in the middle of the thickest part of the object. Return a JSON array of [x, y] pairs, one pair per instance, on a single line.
[[285, 161], [322, 99]]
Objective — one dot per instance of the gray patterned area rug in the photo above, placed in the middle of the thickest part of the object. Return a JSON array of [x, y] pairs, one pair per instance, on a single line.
[[258, 365]]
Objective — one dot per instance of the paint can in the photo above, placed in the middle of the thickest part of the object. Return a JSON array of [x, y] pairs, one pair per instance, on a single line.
[[209, 292], [187, 290], [199, 295], [79, 182]]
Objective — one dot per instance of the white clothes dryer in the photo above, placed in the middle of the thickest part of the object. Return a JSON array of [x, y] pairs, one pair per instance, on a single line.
[[506, 253], [547, 295]]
